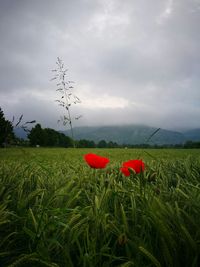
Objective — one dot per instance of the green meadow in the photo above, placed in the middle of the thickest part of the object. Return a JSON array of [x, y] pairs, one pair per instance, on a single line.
[[57, 211]]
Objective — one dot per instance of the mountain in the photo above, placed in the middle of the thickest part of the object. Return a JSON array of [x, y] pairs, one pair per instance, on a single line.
[[20, 133], [192, 135], [128, 134]]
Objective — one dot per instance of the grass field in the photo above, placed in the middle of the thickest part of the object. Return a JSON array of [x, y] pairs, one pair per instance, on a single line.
[[57, 211]]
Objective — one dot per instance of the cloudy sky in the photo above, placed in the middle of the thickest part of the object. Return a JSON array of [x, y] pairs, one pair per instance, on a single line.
[[132, 61]]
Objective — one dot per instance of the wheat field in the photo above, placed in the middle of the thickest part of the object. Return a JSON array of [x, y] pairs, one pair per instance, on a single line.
[[57, 211]]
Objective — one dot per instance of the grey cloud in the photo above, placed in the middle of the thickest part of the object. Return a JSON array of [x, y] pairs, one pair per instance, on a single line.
[[134, 50]]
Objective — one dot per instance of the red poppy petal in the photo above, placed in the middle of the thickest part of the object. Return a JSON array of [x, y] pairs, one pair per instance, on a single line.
[[136, 164], [96, 161], [125, 171]]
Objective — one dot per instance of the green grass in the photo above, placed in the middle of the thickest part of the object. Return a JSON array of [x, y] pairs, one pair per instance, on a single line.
[[56, 211]]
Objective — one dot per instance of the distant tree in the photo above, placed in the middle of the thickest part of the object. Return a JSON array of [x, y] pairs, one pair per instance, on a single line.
[[191, 144], [91, 144], [102, 144], [36, 135], [86, 143], [112, 144], [22, 142], [48, 137], [55, 138], [65, 141], [6, 130]]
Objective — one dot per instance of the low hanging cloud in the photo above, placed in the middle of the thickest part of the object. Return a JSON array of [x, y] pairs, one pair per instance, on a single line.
[[132, 62]]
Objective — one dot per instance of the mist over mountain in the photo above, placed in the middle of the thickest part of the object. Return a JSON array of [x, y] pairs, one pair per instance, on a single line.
[[129, 134], [193, 135], [134, 134]]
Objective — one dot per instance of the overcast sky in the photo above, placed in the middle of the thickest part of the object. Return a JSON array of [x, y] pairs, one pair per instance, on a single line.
[[132, 61]]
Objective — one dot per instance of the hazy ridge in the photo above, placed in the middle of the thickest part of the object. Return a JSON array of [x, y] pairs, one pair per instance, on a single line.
[[129, 134], [134, 134]]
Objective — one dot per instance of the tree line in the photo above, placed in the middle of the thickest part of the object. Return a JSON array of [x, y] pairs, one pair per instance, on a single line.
[[47, 137], [50, 138], [7, 135]]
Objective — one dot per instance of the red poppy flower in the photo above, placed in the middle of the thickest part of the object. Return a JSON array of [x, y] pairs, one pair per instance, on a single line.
[[95, 161], [136, 164]]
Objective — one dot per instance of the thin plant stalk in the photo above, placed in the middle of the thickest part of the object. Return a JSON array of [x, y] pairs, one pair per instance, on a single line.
[[67, 97]]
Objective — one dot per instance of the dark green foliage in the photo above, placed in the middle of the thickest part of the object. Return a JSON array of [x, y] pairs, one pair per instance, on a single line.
[[6, 131], [48, 137], [36, 135], [102, 144], [191, 144], [86, 143]]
